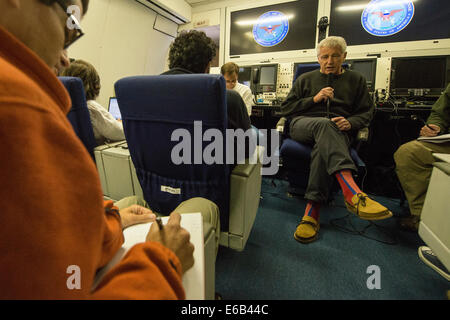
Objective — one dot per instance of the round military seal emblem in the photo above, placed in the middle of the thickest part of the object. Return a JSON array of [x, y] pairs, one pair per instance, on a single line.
[[383, 18], [271, 28]]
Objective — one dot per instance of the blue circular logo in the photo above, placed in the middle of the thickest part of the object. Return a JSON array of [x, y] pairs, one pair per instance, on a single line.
[[271, 28], [383, 18]]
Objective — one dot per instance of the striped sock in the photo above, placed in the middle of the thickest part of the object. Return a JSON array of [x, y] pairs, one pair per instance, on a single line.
[[312, 210], [348, 185]]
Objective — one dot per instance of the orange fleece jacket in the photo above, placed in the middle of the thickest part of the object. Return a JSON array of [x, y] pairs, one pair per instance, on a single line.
[[52, 212]]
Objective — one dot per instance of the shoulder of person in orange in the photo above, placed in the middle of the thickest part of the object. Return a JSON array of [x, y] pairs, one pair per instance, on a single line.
[[53, 219]]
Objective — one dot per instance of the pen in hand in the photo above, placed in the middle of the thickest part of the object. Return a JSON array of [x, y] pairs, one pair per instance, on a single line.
[[159, 222], [414, 118]]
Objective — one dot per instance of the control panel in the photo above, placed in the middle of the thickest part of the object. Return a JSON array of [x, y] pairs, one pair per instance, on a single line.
[[284, 80], [267, 98]]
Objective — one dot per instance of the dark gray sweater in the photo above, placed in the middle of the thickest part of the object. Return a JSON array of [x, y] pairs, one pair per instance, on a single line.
[[351, 98]]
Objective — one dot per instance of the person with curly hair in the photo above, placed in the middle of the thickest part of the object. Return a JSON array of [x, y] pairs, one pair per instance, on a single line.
[[192, 52], [105, 127]]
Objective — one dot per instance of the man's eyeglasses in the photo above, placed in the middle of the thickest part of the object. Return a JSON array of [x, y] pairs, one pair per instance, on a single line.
[[72, 30]]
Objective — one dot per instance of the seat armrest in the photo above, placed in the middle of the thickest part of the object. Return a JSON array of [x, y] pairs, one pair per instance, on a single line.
[[363, 134], [110, 145], [243, 170], [245, 190], [280, 124]]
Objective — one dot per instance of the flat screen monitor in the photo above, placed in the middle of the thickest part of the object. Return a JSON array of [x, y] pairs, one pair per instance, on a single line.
[[419, 76], [246, 83], [245, 75], [114, 108], [381, 21], [268, 76], [280, 27], [367, 67]]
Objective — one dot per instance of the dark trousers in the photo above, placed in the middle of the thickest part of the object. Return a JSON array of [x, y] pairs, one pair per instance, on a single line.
[[329, 155]]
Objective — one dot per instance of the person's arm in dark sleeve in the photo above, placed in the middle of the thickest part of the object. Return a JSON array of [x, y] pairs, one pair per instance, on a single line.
[[364, 107], [237, 111], [295, 102], [440, 112], [238, 119]]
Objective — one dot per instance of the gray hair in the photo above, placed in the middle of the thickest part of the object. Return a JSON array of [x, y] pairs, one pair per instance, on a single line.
[[332, 42]]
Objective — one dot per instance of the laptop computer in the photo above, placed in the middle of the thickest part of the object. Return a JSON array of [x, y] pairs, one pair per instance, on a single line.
[[113, 108]]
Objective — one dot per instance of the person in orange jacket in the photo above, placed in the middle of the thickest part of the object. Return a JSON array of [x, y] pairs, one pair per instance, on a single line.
[[53, 213]]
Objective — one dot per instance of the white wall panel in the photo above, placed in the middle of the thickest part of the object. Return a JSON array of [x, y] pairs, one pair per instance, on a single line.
[[120, 41]]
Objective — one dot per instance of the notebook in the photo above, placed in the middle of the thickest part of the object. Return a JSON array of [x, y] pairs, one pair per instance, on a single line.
[[436, 139], [113, 108], [194, 281]]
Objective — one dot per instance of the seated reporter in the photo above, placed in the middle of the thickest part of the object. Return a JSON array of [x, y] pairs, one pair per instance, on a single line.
[[230, 72], [105, 127], [326, 108], [192, 52], [53, 213], [414, 160]]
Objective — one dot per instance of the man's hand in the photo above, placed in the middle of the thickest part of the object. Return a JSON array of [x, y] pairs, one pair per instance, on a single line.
[[176, 238], [136, 214], [427, 132], [324, 95], [342, 123]]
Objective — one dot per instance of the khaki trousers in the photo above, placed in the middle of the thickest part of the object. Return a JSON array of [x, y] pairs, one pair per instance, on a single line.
[[208, 209], [414, 163]]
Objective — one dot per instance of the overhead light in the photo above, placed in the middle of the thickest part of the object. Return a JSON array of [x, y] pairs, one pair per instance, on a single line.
[[353, 7], [362, 6], [267, 20]]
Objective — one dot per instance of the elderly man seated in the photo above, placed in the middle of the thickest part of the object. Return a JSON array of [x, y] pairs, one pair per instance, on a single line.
[[326, 108]]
